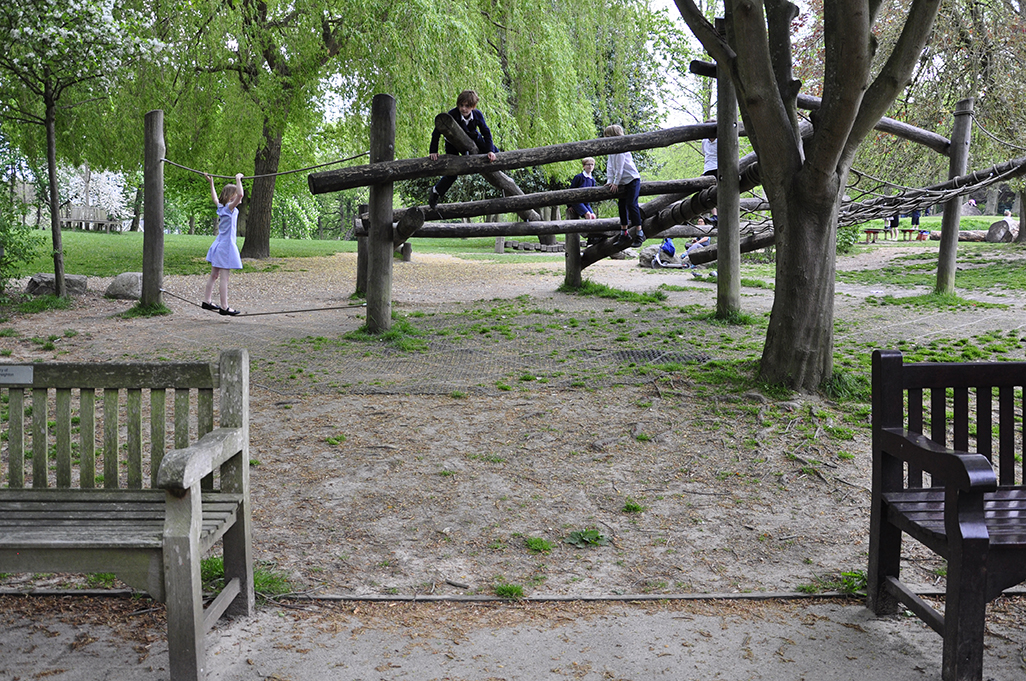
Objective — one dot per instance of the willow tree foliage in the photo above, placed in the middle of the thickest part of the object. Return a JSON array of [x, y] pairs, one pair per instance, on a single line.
[[804, 181], [55, 55]]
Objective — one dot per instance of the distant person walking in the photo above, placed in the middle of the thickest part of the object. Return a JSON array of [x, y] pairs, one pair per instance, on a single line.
[[223, 255]]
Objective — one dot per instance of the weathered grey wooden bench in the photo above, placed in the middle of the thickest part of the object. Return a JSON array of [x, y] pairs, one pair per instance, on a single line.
[[153, 518], [970, 515]]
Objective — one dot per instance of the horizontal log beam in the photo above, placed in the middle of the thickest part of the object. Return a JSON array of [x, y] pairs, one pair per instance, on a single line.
[[930, 140], [748, 244], [464, 230], [514, 204], [447, 164]]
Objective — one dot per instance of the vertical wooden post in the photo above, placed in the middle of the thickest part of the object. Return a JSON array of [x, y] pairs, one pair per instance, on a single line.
[[961, 133], [379, 232], [728, 199], [361, 256], [572, 244], [153, 209]]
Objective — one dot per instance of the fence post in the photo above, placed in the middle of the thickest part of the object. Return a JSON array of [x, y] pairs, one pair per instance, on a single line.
[[961, 134], [379, 232], [153, 210]]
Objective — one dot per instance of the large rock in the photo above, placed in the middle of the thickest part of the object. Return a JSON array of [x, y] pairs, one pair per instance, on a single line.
[[44, 283], [1002, 232], [126, 286]]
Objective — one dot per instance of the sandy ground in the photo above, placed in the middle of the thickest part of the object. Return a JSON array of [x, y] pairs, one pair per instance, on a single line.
[[431, 495]]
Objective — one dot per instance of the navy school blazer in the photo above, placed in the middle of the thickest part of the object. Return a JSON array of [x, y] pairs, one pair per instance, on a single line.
[[477, 130]]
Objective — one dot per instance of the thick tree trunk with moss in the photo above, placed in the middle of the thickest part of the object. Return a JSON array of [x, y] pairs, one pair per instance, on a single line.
[[799, 340], [257, 243]]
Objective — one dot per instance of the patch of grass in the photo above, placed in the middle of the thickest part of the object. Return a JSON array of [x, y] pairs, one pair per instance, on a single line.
[[852, 582], [631, 506], [335, 439], [101, 580], [514, 592], [537, 545], [848, 386], [44, 304], [141, 310], [266, 581], [402, 336], [590, 288], [935, 300]]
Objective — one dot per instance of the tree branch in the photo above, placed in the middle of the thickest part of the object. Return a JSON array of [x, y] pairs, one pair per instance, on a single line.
[[846, 74], [897, 72]]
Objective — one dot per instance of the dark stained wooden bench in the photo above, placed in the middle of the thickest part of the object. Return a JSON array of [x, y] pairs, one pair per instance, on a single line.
[[961, 501], [152, 518]]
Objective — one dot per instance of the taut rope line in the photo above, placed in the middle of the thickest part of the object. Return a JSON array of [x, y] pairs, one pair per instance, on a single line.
[[284, 172], [260, 314]]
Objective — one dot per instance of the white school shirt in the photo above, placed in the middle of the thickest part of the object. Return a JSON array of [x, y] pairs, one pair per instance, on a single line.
[[620, 169], [712, 155]]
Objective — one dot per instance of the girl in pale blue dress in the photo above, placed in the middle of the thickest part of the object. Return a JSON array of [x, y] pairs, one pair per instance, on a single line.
[[223, 255]]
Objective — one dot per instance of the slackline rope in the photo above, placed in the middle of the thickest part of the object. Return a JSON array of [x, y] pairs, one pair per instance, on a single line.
[[260, 314], [284, 172]]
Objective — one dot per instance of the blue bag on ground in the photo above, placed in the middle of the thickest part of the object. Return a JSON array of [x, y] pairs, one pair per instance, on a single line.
[[667, 247]]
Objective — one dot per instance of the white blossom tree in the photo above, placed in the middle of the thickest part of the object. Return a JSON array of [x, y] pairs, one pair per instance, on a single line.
[[58, 54]]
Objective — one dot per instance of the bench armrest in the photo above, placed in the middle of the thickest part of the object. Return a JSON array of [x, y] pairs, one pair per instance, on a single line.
[[183, 468], [965, 471]]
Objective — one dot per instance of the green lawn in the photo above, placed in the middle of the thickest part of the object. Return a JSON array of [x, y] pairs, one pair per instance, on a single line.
[[95, 254]]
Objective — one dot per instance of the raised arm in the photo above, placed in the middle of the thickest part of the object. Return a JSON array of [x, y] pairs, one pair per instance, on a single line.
[[239, 193], [213, 191]]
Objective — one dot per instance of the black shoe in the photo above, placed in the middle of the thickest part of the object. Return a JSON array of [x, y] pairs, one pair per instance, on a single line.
[[210, 306], [228, 311], [623, 241], [433, 198], [638, 240]]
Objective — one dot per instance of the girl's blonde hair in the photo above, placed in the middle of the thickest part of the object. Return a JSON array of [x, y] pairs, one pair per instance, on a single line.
[[226, 194], [613, 130]]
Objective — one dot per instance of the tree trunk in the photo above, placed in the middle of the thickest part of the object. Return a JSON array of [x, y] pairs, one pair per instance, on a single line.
[[258, 223], [55, 217], [799, 340], [1021, 237], [137, 208]]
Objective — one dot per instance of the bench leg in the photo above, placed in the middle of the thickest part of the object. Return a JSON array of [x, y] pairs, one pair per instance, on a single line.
[[184, 595], [965, 611], [884, 562], [237, 541]]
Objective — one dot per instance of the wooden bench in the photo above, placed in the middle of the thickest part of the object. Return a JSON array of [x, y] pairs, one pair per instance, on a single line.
[[155, 516], [972, 512], [909, 233], [873, 233]]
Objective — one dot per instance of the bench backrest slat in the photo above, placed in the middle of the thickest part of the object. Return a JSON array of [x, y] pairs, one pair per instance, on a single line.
[[975, 406], [16, 439], [87, 466], [135, 430], [63, 437]]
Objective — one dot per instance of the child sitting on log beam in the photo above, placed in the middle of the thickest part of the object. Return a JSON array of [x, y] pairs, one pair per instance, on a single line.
[[473, 123]]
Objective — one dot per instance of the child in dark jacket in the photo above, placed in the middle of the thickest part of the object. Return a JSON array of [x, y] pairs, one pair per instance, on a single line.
[[473, 123]]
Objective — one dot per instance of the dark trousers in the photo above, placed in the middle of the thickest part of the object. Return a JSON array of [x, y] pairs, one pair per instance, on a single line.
[[627, 202]]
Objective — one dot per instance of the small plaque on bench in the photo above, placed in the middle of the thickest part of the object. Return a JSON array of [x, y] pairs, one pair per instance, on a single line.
[[15, 374]]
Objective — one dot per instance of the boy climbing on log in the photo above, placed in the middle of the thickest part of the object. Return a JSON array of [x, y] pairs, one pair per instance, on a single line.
[[473, 123]]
